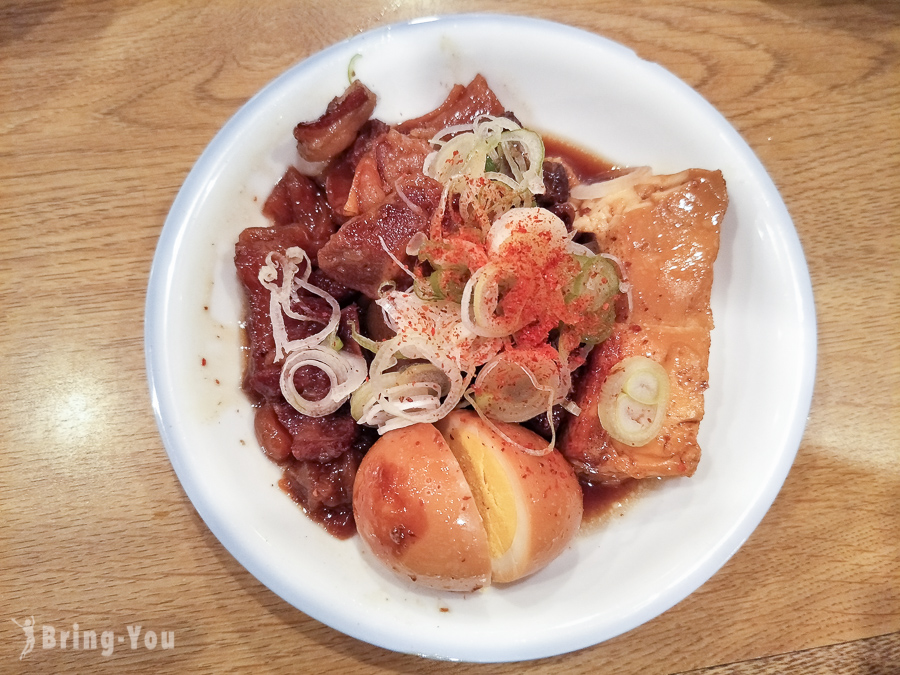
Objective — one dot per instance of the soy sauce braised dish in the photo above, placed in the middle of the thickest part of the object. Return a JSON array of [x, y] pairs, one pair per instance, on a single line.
[[459, 331]]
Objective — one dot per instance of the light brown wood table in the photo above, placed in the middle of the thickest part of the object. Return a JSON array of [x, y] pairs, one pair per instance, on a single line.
[[104, 106]]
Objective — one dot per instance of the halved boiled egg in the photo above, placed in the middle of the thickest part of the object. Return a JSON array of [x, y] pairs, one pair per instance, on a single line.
[[456, 506]]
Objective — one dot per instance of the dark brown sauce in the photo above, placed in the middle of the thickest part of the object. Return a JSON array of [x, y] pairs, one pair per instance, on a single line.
[[588, 167], [602, 502]]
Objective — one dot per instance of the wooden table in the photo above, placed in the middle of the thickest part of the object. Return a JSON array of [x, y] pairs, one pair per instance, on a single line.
[[104, 108]]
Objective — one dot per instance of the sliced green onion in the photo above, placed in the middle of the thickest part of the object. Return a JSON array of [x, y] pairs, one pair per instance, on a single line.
[[492, 147], [602, 327], [633, 400], [538, 452], [345, 371], [388, 286], [445, 283], [481, 300], [524, 153], [418, 386], [515, 392], [366, 343], [595, 288], [643, 387], [422, 392], [527, 222], [597, 280], [351, 67], [605, 189]]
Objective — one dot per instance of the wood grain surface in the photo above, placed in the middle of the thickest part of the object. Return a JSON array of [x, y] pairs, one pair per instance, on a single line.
[[105, 105]]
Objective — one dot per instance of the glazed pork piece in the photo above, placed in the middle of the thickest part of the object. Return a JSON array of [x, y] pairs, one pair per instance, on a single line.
[[356, 257], [326, 137], [462, 106], [664, 231], [389, 158]]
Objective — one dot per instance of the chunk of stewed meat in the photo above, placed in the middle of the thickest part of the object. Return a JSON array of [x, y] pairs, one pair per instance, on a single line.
[[327, 484], [390, 157], [355, 256], [317, 438], [343, 294], [297, 199], [272, 436], [328, 136], [556, 192], [263, 374], [338, 177], [462, 106], [541, 425], [325, 490], [253, 246]]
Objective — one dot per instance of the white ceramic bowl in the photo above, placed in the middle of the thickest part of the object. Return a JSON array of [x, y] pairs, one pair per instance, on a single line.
[[601, 96]]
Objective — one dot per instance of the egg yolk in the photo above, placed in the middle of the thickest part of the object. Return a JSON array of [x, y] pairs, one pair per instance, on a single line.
[[490, 487]]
